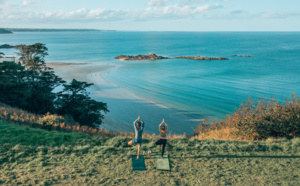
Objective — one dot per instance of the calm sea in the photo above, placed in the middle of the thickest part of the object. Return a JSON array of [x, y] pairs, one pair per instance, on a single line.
[[199, 88]]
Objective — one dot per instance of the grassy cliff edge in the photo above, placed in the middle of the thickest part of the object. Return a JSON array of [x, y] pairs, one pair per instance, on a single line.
[[35, 156]]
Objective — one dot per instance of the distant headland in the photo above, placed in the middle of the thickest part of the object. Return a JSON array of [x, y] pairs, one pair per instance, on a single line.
[[4, 31], [11, 30], [155, 57]]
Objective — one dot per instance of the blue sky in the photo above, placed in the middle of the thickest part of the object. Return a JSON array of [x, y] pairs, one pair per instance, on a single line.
[[153, 15]]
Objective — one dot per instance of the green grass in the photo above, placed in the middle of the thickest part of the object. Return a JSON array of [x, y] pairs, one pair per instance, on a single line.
[[39, 157]]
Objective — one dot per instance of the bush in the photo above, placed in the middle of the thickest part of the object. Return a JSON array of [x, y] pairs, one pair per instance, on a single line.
[[260, 119], [49, 121]]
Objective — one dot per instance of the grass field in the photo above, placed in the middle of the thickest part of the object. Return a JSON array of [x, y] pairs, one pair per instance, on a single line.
[[39, 157]]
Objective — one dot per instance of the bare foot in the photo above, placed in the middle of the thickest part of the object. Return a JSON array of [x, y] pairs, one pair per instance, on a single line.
[[137, 158]]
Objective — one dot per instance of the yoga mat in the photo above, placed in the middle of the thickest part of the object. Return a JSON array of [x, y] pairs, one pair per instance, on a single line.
[[138, 164], [162, 163]]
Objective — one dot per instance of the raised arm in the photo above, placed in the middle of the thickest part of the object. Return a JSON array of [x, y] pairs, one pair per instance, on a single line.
[[159, 127], [134, 124], [166, 127], [142, 125]]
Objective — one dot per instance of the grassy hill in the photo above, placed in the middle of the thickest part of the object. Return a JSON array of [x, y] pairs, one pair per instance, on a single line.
[[34, 156]]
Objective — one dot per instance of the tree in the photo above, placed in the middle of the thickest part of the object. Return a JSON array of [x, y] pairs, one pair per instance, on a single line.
[[1, 54], [33, 56], [74, 100], [41, 78], [31, 85], [13, 84]]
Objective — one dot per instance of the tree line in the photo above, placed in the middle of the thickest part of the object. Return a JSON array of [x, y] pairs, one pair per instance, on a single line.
[[32, 85]]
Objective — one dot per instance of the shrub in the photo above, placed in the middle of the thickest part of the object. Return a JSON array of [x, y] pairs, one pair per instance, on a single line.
[[49, 121], [259, 119]]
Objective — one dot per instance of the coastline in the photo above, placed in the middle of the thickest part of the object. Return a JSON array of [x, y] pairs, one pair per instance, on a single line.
[[124, 106]]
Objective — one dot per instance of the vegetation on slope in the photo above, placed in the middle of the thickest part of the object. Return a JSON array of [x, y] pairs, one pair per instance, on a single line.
[[31, 85], [256, 120], [34, 156]]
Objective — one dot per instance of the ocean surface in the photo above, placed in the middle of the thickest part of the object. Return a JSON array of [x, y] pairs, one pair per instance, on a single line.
[[200, 89]]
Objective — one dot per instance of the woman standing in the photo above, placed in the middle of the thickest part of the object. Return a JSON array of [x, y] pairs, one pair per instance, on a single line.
[[163, 130]]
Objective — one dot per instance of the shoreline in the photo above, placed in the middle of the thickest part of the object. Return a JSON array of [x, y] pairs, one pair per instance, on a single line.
[[124, 105]]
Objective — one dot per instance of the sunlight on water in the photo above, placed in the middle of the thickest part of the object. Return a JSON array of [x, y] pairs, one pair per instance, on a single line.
[[205, 88]]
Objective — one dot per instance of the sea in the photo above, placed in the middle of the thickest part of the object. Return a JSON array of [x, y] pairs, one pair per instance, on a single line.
[[206, 89]]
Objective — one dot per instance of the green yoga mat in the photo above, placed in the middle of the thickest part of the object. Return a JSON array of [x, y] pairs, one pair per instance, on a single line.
[[162, 163], [138, 164]]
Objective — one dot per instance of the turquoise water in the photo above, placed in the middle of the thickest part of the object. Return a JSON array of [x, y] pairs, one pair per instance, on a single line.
[[200, 88]]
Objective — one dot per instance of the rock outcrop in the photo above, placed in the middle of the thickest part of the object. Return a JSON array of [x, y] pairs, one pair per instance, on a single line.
[[140, 57], [241, 55], [7, 46], [201, 58], [155, 57]]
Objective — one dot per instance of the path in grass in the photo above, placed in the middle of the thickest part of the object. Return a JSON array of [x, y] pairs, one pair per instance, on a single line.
[[33, 156]]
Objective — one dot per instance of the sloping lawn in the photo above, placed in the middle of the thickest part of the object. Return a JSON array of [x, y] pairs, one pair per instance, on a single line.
[[33, 156]]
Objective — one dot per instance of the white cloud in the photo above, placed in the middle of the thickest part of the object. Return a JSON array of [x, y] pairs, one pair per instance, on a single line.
[[17, 13], [175, 11], [31, 3], [158, 2]]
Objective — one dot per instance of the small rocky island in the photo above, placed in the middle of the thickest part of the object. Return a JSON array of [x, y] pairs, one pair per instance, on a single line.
[[241, 55], [140, 57], [155, 57], [201, 58]]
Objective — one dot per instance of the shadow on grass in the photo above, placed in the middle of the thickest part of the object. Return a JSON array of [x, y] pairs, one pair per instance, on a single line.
[[235, 156]]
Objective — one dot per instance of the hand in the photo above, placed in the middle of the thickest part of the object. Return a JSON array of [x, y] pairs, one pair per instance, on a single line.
[[163, 120], [139, 118]]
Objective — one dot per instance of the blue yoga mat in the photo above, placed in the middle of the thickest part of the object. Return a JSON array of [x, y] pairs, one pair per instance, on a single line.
[[138, 164]]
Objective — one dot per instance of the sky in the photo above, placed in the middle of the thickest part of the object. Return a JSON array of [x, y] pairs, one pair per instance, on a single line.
[[153, 15]]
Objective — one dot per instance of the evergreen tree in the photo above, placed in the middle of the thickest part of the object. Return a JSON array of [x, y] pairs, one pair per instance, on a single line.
[[13, 84], [74, 100], [2, 54], [41, 78]]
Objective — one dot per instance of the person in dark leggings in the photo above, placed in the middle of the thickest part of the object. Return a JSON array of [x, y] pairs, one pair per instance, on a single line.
[[163, 130]]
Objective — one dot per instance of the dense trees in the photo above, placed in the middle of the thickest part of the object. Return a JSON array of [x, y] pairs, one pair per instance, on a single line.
[[30, 85], [13, 84], [75, 100]]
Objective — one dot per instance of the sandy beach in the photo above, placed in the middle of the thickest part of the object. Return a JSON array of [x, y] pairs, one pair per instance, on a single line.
[[124, 106]]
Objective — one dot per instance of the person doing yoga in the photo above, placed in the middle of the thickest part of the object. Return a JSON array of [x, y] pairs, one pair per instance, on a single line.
[[138, 128], [163, 130]]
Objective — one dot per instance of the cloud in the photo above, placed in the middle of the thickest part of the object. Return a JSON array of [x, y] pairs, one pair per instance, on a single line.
[[31, 3], [279, 15], [235, 14], [17, 13], [175, 11], [158, 2]]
